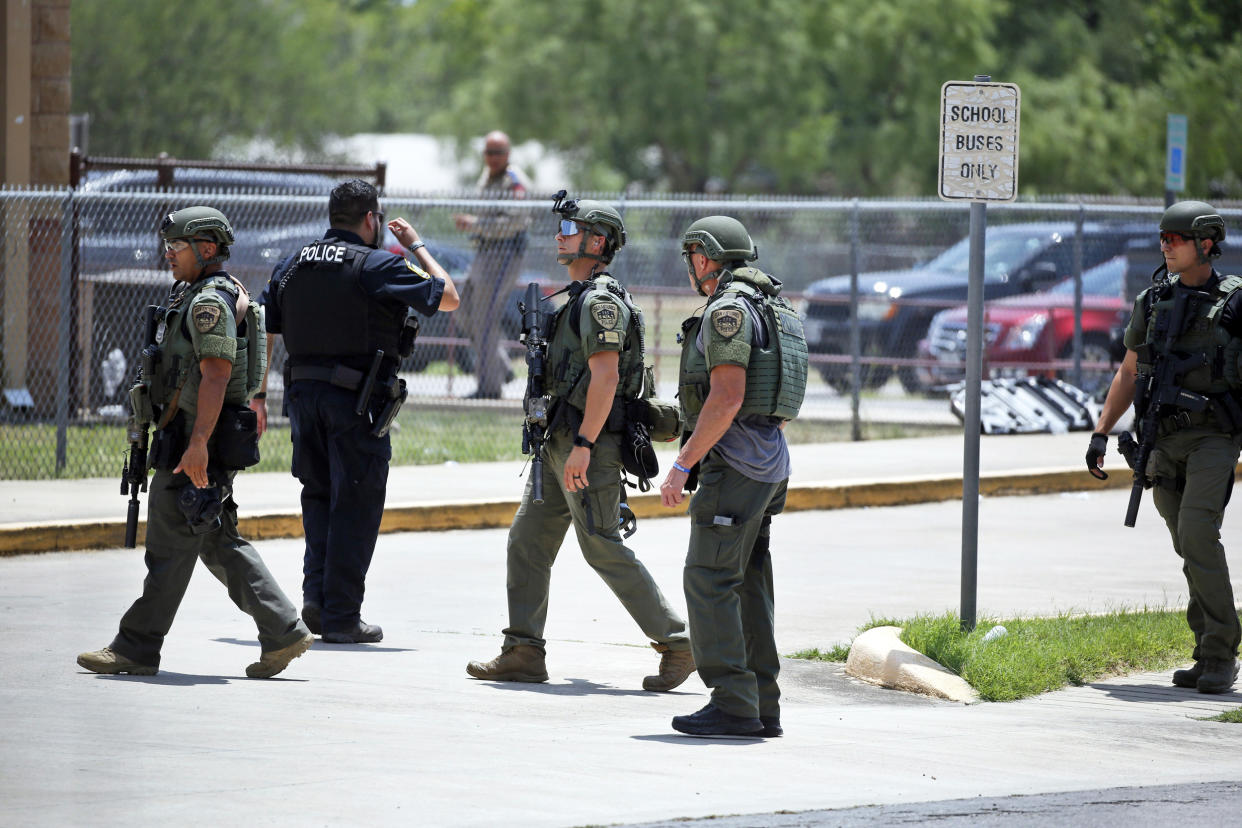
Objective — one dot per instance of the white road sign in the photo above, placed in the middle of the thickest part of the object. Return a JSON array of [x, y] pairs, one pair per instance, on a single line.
[[979, 141]]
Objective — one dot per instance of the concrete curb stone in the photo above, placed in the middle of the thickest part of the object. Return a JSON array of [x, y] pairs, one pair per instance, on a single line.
[[879, 656]]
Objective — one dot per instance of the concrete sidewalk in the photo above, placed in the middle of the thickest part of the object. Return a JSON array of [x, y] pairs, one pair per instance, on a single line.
[[51, 515], [396, 734]]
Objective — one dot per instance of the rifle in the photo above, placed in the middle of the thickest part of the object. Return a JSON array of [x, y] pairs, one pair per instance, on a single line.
[[134, 470], [535, 403], [1159, 391]]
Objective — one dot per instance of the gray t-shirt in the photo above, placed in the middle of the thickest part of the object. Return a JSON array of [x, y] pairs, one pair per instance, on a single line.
[[754, 444]]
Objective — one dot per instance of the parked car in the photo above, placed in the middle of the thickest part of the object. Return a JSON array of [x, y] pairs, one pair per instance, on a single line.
[[895, 307], [115, 232], [441, 326], [1033, 328], [120, 264]]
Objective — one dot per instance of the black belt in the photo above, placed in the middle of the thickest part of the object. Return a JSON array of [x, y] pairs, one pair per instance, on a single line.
[[338, 375], [342, 376]]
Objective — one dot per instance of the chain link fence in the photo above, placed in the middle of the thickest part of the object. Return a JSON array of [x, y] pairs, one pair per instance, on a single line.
[[881, 285]]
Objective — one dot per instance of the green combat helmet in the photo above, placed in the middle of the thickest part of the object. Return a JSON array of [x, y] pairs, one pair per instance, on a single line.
[[1197, 220], [205, 223], [722, 238], [598, 217]]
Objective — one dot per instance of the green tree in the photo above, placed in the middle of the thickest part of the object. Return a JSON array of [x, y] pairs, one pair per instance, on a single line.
[[292, 71]]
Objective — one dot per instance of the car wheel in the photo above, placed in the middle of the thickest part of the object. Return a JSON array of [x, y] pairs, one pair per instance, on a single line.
[[910, 382], [838, 375], [1094, 349]]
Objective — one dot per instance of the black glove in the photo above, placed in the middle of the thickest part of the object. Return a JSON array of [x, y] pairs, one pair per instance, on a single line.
[[1099, 445]]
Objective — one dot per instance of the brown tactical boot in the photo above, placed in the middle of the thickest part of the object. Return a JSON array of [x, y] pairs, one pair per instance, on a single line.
[[274, 661], [675, 667], [111, 662], [522, 662]]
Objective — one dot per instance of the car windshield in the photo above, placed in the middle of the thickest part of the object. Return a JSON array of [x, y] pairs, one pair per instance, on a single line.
[[1101, 280], [1003, 254]]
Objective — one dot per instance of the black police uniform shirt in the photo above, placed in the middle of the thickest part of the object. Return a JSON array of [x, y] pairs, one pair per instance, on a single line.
[[384, 275]]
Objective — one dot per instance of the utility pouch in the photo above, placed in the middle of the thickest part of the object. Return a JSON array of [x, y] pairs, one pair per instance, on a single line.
[[168, 444], [637, 456], [409, 333], [140, 403], [662, 418], [237, 437]]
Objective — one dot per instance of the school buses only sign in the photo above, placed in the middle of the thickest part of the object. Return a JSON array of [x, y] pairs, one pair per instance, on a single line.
[[979, 141]]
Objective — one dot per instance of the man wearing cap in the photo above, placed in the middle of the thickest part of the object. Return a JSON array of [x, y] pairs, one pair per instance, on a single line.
[[500, 242]]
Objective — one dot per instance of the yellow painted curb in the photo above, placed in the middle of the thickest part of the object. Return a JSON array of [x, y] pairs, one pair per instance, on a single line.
[[24, 538]]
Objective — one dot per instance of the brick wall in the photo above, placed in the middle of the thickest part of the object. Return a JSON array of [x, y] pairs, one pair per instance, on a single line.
[[51, 62]]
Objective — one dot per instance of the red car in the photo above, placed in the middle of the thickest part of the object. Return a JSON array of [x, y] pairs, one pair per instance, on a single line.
[[1024, 334]]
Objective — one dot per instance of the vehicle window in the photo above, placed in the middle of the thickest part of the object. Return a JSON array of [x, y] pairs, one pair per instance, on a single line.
[[1101, 280], [1003, 254]]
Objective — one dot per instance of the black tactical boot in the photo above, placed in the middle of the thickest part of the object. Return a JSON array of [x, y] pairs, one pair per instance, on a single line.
[[363, 633], [771, 727], [310, 617], [712, 721], [1218, 675], [1188, 678]]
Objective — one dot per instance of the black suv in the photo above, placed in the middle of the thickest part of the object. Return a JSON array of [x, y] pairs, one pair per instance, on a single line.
[[895, 307]]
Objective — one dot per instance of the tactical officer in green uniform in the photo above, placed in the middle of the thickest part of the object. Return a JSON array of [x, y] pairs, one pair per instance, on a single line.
[[595, 361], [206, 360], [743, 375], [1198, 432]]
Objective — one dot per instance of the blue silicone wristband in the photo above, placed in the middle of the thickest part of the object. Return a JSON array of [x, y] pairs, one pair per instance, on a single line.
[[680, 467]]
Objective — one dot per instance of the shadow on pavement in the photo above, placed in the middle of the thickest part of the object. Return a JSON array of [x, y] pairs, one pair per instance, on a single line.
[[575, 687], [1147, 693], [320, 647], [166, 678], [681, 739]]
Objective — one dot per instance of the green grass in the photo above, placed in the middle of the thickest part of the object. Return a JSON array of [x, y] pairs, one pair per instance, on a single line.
[[422, 435], [837, 652], [1232, 717], [1043, 654]]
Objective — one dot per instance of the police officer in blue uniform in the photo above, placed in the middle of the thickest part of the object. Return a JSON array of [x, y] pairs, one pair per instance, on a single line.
[[341, 304]]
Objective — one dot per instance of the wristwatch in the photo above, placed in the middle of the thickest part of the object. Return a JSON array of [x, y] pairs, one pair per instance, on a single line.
[[579, 440], [413, 247]]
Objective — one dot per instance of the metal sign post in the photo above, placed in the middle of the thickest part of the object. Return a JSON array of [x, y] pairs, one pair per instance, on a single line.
[[978, 163]]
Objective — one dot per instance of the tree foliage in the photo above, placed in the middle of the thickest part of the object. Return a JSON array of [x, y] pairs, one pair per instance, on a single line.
[[796, 96]]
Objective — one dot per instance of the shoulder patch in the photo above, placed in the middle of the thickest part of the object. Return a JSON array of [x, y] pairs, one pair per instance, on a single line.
[[605, 313], [727, 322], [417, 270], [205, 317]]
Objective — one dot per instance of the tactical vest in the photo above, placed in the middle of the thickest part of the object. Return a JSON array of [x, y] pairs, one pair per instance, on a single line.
[[175, 367], [326, 313], [567, 365], [776, 375], [1201, 334]]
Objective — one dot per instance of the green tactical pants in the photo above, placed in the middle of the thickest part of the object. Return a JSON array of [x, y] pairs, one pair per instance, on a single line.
[[172, 551], [539, 529], [728, 581], [1206, 461]]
